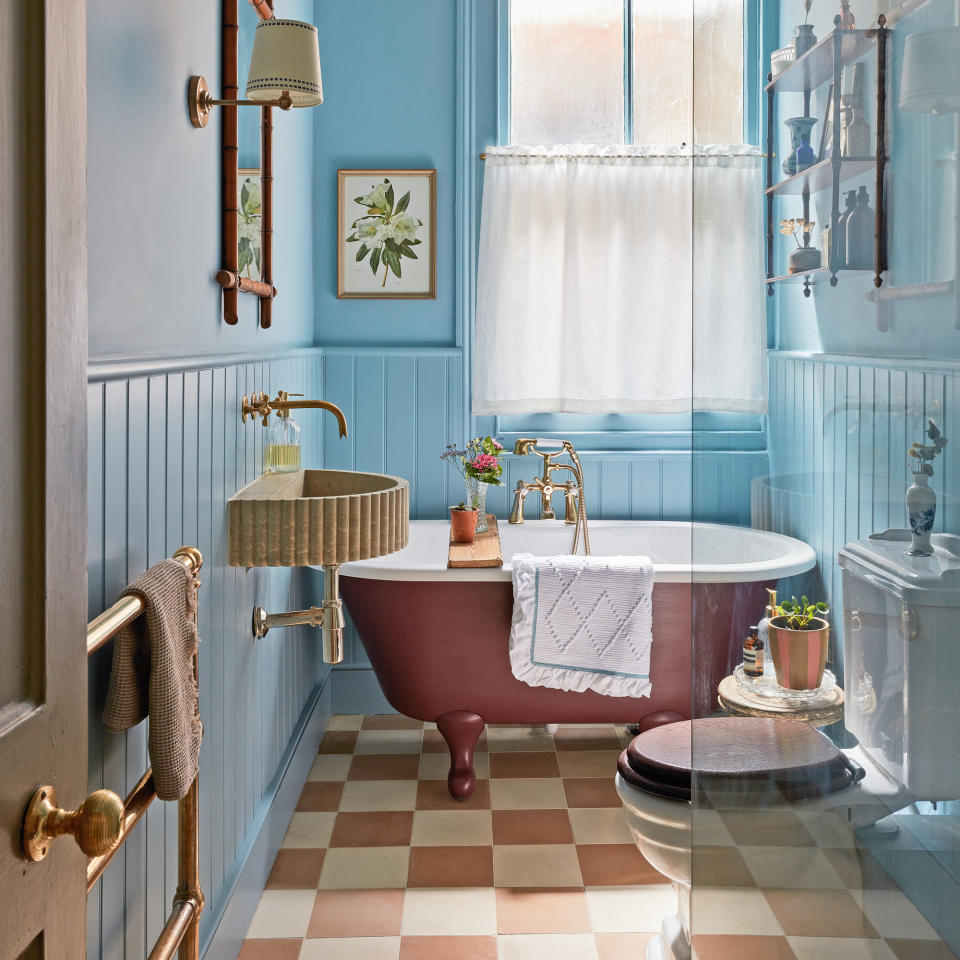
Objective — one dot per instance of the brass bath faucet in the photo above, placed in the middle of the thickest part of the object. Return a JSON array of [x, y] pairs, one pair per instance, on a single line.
[[260, 405], [575, 508]]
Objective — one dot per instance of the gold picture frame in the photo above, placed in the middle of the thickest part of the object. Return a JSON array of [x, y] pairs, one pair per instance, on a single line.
[[386, 234]]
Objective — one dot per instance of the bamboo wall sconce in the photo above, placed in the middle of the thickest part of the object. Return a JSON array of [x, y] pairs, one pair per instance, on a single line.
[[284, 73]]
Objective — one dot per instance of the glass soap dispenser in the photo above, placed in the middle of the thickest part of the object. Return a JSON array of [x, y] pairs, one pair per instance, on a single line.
[[283, 441]]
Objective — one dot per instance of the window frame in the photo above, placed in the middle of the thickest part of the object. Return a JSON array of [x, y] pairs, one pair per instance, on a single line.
[[644, 432]]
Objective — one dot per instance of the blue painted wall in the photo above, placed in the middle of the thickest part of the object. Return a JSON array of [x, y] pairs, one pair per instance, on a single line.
[[847, 399], [153, 191]]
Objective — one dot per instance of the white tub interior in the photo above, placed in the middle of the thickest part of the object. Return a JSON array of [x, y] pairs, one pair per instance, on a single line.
[[681, 551]]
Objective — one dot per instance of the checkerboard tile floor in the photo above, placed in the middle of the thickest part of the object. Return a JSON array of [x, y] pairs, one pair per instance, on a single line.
[[379, 863]]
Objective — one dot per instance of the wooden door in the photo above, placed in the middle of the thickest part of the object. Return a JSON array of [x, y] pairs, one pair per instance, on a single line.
[[43, 672]]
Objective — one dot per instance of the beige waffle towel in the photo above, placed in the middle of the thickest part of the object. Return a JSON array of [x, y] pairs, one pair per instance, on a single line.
[[153, 675]]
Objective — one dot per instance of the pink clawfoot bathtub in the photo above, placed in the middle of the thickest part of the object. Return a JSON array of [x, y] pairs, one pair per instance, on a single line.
[[438, 639]]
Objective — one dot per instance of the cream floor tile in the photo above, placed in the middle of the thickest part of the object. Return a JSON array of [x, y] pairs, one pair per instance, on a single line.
[[518, 739], [449, 828], [791, 868], [389, 741], [545, 865], [355, 948], [430, 725], [330, 766], [533, 794], [282, 913], [834, 948], [892, 915], [309, 830], [603, 825], [709, 830], [588, 763], [436, 766], [360, 796], [365, 868], [828, 827], [738, 910], [450, 912], [630, 909], [545, 946], [345, 721]]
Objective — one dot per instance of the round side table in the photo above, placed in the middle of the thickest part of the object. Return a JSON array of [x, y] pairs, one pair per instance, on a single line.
[[737, 702]]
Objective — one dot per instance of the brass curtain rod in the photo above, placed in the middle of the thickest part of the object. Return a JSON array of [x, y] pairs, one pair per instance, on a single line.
[[648, 156]]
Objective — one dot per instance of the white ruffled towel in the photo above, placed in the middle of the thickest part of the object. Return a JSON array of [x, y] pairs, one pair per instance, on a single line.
[[583, 623]]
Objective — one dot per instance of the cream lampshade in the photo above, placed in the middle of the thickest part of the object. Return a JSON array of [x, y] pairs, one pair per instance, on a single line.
[[286, 57], [930, 80]]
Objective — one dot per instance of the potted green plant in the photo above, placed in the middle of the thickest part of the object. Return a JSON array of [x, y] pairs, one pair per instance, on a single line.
[[463, 523], [799, 637]]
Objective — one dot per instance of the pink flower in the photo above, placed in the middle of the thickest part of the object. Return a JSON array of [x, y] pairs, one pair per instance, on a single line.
[[483, 461], [497, 444]]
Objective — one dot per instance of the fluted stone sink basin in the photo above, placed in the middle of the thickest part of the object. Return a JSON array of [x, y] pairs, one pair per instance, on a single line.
[[316, 517]]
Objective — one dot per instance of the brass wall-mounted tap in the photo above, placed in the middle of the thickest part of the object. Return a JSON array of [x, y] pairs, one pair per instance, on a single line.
[[575, 509], [260, 405]]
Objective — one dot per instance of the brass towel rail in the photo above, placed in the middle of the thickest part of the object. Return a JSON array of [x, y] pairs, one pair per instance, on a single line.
[[181, 931]]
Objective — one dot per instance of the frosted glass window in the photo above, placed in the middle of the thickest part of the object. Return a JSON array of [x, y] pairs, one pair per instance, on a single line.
[[566, 72], [688, 71]]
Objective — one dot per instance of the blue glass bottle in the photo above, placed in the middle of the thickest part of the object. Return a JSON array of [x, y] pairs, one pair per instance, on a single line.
[[804, 156]]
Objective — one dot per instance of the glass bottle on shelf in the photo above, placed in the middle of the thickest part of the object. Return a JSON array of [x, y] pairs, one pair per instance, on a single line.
[[839, 241], [860, 234]]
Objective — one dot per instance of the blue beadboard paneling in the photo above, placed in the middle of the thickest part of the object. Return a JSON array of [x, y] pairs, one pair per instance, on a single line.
[[166, 450]]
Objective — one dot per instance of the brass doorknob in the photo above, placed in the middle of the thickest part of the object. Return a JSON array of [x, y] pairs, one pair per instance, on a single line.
[[96, 826]]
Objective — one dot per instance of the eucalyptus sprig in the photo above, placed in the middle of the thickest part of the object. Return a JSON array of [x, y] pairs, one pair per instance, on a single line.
[[800, 612], [927, 453], [807, 4]]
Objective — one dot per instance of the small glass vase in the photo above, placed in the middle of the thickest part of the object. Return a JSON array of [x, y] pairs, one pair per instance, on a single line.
[[477, 500]]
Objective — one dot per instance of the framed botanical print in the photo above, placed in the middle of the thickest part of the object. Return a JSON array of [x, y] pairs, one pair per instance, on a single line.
[[386, 234], [249, 220]]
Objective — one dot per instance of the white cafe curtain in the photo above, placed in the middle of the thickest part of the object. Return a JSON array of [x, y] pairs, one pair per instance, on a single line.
[[620, 280]]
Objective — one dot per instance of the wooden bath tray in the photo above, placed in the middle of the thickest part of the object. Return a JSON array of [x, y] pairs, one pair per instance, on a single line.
[[483, 552]]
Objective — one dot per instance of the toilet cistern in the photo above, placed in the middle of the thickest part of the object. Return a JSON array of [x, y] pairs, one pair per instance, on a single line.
[[575, 510]]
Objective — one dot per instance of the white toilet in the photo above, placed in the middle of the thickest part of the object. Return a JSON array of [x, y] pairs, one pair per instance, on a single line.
[[901, 673]]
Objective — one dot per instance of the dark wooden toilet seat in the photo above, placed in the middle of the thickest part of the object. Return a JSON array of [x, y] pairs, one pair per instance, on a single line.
[[735, 752]]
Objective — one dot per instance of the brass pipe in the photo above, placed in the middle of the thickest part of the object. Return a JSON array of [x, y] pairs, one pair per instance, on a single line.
[[134, 807], [189, 894], [329, 617], [231, 280], [260, 405], [175, 931], [103, 627]]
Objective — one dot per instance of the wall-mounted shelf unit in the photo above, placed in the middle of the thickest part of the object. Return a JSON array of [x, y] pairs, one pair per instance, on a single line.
[[822, 64]]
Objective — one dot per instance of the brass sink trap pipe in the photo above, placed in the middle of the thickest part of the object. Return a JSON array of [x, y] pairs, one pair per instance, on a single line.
[[329, 616]]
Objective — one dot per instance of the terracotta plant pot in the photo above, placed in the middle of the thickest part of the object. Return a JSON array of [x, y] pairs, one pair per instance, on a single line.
[[463, 524], [799, 656]]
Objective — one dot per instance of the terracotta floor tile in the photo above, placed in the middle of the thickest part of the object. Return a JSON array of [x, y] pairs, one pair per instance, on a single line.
[[531, 826], [338, 741], [390, 721], [434, 795], [920, 950], [767, 828], [819, 913], [356, 913], [320, 796], [734, 947], [525, 765], [537, 910], [270, 949], [622, 946], [720, 867], [588, 792], [384, 766], [296, 870], [588, 763], [433, 742], [382, 829], [448, 948], [450, 867], [587, 738], [614, 864]]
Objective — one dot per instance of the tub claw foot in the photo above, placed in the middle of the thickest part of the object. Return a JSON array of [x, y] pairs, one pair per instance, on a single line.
[[461, 729]]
